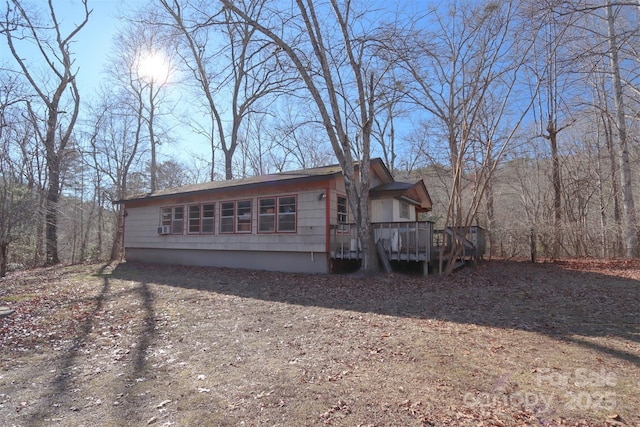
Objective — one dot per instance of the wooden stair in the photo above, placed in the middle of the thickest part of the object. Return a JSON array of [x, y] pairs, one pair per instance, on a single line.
[[382, 255]]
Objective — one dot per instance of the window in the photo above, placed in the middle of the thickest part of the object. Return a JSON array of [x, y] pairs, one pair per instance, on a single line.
[[194, 219], [267, 216], [174, 218], [243, 212], [342, 214], [207, 218], [165, 217], [404, 210], [342, 210], [178, 220], [286, 215], [235, 217], [200, 219], [227, 216]]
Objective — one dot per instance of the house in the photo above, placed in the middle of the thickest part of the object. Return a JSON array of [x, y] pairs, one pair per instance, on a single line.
[[295, 221]]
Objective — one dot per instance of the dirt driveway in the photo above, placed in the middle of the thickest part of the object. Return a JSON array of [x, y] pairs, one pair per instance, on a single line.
[[506, 343]]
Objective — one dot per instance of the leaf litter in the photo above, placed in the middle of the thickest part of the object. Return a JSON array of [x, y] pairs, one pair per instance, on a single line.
[[505, 343]]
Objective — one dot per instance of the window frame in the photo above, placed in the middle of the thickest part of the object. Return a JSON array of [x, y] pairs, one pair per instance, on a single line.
[[265, 215], [275, 216], [294, 213], [238, 215], [405, 210], [342, 217], [223, 227], [212, 217], [190, 219], [201, 218], [172, 219], [236, 220]]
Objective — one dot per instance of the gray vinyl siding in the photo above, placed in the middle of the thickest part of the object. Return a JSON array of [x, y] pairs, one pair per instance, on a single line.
[[142, 224], [382, 210], [388, 210]]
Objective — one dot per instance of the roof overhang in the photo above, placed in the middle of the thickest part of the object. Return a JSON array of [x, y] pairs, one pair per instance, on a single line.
[[414, 193], [252, 183]]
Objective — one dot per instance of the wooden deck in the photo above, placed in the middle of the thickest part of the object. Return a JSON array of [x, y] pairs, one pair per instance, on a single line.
[[414, 241], [402, 241], [472, 242]]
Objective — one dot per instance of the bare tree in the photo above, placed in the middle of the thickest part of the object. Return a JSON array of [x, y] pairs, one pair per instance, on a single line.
[[116, 145], [247, 79], [17, 210], [140, 69], [57, 92], [629, 211], [598, 126], [172, 173], [547, 70], [17, 200], [391, 111], [472, 55], [526, 185], [608, 42], [333, 47], [298, 136]]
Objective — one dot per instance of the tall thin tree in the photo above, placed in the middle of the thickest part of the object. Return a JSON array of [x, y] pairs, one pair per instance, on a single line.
[[629, 211], [56, 104]]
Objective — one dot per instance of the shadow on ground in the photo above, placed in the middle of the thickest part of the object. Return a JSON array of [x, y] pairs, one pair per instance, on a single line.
[[550, 299], [67, 379]]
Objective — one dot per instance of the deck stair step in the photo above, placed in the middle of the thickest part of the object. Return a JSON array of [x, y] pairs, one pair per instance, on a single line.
[[382, 254]]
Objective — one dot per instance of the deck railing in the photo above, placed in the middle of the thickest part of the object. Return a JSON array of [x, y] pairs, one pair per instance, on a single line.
[[344, 242], [409, 241], [402, 241], [472, 242]]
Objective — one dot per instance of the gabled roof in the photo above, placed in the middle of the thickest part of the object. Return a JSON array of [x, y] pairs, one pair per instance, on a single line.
[[414, 193], [303, 175]]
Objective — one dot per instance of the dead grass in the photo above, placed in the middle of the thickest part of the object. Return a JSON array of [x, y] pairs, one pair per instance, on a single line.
[[506, 343]]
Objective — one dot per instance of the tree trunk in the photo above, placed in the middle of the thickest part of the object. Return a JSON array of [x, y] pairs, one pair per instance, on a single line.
[[228, 163], [100, 225], [629, 214], [557, 192], [51, 215], [60, 71], [154, 166], [39, 242], [601, 198], [116, 246], [491, 221], [4, 251], [532, 245], [615, 184]]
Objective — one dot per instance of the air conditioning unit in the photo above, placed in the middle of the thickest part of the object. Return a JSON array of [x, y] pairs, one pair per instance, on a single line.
[[164, 229]]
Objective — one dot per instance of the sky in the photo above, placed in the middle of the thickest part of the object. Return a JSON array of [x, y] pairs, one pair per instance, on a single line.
[[91, 47], [91, 50], [93, 43]]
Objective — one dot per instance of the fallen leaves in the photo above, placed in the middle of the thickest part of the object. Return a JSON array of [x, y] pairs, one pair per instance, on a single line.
[[193, 346], [340, 410]]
